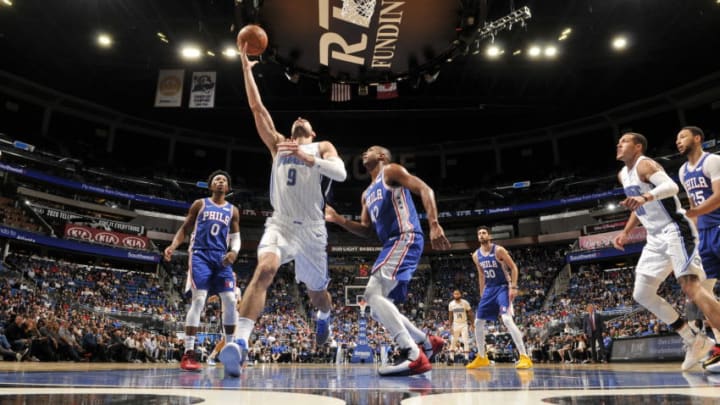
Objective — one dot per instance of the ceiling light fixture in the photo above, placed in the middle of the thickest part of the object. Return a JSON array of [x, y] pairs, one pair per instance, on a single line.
[[550, 51], [534, 51], [619, 43], [191, 52], [104, 40], [229, 53], [493, 52]]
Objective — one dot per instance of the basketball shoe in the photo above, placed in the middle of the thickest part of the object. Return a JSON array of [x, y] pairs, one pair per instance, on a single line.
[[405, 366], [712, 364], [478, 362], [432, 346], [322, 330], [189, 362], [232, 356], [696, 350], [524, 362]]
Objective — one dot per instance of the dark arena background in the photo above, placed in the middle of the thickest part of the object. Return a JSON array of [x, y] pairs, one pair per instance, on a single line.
[[113, 113]]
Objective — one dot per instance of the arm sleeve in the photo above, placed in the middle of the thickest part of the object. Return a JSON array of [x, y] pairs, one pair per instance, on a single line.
[[333, 168], [235, 242], [664, 186]]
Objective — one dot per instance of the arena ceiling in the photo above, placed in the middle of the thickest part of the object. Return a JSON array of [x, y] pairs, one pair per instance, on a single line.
[[670, 43]]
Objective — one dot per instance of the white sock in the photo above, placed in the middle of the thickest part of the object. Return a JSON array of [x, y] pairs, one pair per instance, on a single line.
[[244, 328], [189, 343]]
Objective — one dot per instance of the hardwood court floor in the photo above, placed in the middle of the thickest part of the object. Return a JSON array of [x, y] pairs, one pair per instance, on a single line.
[[500, 384]]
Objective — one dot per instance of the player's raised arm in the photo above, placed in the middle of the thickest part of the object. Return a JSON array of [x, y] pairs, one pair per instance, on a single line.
[[263, 121]]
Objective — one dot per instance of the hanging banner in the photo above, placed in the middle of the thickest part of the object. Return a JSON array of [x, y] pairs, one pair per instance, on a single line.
[[202, 93], [169, 88]]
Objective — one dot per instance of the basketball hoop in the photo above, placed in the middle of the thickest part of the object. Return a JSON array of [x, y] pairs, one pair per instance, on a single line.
[[362, 304], [358, 11]]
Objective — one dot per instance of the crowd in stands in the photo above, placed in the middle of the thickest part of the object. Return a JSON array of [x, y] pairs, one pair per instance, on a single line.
[[55, 309], [13, 216]]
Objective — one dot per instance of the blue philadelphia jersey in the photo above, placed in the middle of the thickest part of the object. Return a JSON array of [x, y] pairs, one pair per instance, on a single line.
[[391, 209], [495, 274], [212, 227], [698, 186], [495, 300]]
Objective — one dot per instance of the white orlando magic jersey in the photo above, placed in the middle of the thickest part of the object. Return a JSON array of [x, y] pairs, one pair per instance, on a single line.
[[655, 214], [298, 191], [459, 311]]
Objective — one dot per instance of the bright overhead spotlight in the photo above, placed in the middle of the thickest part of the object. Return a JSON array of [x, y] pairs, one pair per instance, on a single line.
[[191, 52], [619, 43], [493, 52], [229, 53], [104, 40], [565, 34], [7, 2], [210, 53], [517, 52], [534, 51], [551, 51]]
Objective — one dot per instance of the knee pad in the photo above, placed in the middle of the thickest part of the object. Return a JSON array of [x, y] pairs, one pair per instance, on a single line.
[[228, 308], [197, 306]]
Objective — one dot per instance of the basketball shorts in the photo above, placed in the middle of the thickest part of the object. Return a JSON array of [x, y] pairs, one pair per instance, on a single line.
[[710, 251], [398, 261], [305, 242], [495, 301], [672, 249], [206, 272]]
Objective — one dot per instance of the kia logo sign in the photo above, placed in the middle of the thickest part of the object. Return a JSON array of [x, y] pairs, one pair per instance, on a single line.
[[107, 238], [79, 233], [133, 242]]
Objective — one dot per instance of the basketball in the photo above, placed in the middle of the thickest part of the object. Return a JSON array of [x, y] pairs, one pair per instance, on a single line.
[[255, 37]]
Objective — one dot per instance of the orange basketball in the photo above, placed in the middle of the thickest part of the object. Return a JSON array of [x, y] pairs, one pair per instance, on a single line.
[[256, 38]]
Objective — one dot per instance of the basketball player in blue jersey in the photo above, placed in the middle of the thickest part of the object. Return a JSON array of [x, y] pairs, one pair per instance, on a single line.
[[498, 289], [700, 176], [213, 248], [671, 245], [302, 171], [389, 211]]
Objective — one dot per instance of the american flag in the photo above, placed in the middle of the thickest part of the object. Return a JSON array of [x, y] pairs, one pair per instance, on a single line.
[[340, 92]]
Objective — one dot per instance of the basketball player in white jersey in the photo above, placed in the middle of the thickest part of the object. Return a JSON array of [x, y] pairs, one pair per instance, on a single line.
[[671, 245], [459, 312], [302, 171]]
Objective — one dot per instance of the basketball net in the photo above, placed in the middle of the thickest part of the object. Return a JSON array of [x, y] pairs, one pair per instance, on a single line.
[[362, 304], [358, 11]]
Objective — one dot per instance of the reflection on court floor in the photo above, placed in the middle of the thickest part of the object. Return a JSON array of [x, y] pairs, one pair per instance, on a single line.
[[71, 383]]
